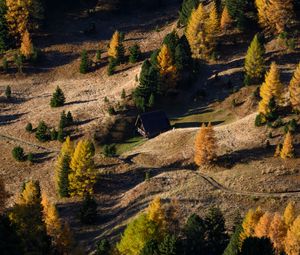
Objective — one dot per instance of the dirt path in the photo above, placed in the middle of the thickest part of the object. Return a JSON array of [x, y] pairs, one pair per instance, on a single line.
[[34, 145]]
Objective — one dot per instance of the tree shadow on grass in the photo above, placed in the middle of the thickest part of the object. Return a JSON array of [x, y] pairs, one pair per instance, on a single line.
[[11, 118], [42, 157]]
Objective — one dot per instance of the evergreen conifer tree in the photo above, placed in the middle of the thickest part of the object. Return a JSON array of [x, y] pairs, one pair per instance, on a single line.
[[8, 92], [205, 145], [237, 10], [186, 10], [58, 98], [4, 37], [69, 119], [135, 53], [63, 120], [254, 61], [84, 64], [233, 248], [42, 132], [255, 245], [88, 210], [171, 40], [169, 246]]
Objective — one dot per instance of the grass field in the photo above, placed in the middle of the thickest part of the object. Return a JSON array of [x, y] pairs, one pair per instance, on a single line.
[[129, 144]]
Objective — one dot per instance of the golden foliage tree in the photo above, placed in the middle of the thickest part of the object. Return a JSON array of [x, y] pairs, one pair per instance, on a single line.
[[157, 214], [292, 241], [287, 147], [212, 26], [205, 145], [60, 232], [195, 32], [278, 150], [226, 20], [278, 232], [271, 88], [31, 194], [113, 45], [254, 61], [249, 223], [26, 45], [17, 17], [280, 14], [167, 70], [289, 214], [263, 226], [262, 6], [294, 89], [82, 176]]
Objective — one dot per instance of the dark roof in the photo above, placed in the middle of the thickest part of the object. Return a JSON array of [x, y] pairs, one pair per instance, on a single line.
[[154, 122]]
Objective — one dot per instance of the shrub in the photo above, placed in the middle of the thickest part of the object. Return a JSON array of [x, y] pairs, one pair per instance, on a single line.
[[42, 132], [98, 55], [260, 120], [102, 247], [30, 157], [18, 153], [147, 176], [58, 98], [63, 120], [277, 123], [8, 92], [88, 210], [109, 150], [29, 127], [19, 62], [61, 135]]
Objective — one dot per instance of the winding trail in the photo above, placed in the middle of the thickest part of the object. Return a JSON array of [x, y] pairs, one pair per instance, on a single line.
[[34, 145]]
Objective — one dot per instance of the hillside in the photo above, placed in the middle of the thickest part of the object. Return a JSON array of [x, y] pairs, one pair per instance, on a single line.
[[129, 171]]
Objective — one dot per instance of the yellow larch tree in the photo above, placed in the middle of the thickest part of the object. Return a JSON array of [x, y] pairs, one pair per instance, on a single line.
[[195, 32], [277, 232], [17, 17], [31, 194], [271, 88], [280, 14], [26, 45], [294, 89], [249, 223], [262, 6], [289, 214], [205, 145], [292, 240], [254, 61], [82, 175], [278, 150], [287, 150], [166, 67], [212, 26], [157, 214], [263, 226], [113, 45], [226, 20]]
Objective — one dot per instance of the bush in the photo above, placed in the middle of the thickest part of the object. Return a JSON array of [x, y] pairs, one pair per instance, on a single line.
[[30, 157], [260, 120], [109, 150], [19, 62], [277, 123], [29, 127], [18, 154], [42, 132], [61, 135], [58, 98], [63, 120], [88, 210], [102, 247]]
